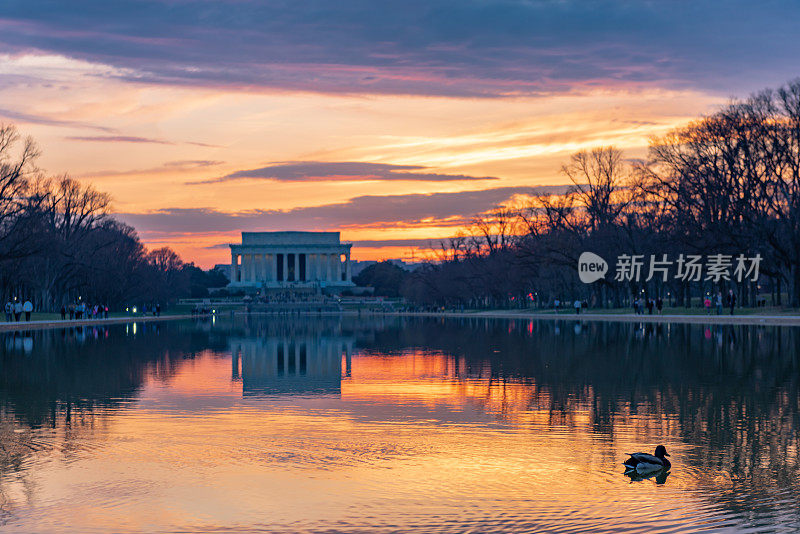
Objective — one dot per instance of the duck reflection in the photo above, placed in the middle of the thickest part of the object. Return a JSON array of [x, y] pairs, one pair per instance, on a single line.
[[660, 476], [297, 364]]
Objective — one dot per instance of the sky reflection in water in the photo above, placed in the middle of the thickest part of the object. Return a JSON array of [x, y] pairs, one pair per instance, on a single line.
[[330, 424]]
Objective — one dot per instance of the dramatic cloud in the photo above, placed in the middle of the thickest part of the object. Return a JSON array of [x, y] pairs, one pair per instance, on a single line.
[[367, 243], [363, 211], [316, 171], [432, 47], [410, 243]]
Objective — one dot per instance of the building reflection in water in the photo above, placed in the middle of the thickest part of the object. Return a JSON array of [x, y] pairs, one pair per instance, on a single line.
[[296, 364]]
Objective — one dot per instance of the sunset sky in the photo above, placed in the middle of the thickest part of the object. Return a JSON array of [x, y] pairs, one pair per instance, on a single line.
[[391, 121]]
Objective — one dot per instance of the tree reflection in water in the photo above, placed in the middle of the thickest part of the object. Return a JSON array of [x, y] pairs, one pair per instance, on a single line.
[[729, 390], [59, 387]]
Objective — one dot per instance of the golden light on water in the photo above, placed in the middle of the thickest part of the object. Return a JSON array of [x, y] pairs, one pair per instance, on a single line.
[[276, 426]]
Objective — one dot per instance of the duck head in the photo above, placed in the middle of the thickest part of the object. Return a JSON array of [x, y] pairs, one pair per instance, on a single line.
[[661, 451]]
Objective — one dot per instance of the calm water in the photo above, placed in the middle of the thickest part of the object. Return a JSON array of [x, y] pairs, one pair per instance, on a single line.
[[390, 425]]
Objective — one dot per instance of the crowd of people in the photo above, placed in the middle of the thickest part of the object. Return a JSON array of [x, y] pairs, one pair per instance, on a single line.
[[649, 305], [14, 310], [81, 310]]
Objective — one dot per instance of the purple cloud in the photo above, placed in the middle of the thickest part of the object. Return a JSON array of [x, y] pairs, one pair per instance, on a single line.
[[452, 209], [316, 171], [431, 47], [368, 243]]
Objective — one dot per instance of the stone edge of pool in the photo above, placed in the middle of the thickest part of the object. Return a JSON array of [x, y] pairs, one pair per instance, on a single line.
[[779, 320], [37, 325], [787, 320]]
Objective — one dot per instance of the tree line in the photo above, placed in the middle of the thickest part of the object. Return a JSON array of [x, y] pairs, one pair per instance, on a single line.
[[725, 185], [59, 242]]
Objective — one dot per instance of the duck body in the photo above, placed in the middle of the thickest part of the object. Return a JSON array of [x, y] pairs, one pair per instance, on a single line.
[[643, 462]]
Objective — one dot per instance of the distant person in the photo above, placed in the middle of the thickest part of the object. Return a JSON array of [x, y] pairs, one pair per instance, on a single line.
[[17, 311], [650, 306], [719, 303], [158, 310], [577, 305], [707, 304], [71, 312], [63, 312], [105, 311], [556, 304], [27, 308], [659, 304], [731, 300], [9, 311]]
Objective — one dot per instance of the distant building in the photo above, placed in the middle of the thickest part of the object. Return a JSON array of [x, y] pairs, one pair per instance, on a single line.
[[290, 260]]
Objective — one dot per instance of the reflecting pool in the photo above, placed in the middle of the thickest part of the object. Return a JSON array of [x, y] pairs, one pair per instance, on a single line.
[[386, 424]]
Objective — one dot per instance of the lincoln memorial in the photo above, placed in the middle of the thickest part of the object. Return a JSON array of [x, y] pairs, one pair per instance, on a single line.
[[284, 260]]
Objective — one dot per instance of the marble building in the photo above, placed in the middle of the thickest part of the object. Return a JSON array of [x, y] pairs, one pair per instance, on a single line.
[[290, 260]]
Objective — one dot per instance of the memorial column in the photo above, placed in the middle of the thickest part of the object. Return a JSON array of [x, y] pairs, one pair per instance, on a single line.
[[328, 267], [234, 266]]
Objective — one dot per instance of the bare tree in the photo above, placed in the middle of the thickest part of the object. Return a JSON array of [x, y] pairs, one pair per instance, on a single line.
[[17, 166], [600, 180]]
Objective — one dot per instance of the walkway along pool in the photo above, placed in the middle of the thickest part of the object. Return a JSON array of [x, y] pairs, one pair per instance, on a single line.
[[386, 424]]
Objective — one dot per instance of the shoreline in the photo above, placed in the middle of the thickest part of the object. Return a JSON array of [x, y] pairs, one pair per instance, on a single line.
[[775, 320], [69, 323], [764, 320]]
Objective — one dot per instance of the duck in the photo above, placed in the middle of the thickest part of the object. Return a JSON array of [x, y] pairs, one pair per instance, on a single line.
[[643, 462]]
